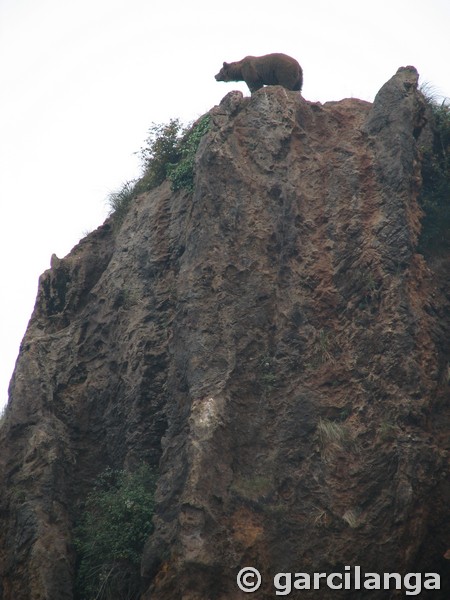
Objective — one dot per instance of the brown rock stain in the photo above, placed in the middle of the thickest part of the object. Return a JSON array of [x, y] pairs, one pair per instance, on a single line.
[[246, 528]]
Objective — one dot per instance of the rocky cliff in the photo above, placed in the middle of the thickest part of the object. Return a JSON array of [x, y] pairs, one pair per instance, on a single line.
[[273, 345]]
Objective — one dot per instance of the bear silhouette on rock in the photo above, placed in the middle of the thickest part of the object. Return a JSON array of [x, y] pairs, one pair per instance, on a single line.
[[270, 69]]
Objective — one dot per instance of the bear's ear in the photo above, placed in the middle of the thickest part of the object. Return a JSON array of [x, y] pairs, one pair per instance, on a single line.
[[225, 65]]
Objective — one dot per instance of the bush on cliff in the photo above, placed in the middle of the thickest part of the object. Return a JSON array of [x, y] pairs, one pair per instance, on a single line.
[[119, 201], [110, 536], [435, 194], [162, 149], [181, 174], [169, 153]]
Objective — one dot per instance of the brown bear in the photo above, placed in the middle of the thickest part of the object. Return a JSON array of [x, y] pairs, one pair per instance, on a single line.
[[270, 69]]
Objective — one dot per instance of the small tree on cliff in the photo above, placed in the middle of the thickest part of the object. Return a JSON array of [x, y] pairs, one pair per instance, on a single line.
[[435, 194], [169, 153], [110, 536]]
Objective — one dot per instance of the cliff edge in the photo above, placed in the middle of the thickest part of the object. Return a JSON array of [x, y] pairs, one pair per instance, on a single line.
[[273, 344]]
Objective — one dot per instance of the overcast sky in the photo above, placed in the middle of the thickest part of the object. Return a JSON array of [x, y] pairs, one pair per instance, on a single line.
[[81, 82]]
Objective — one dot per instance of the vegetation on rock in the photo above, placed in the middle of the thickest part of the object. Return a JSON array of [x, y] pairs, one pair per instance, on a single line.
[[162, 150], [169, 153], [181, 174], [435, 194], [110, 536], [119, 201]]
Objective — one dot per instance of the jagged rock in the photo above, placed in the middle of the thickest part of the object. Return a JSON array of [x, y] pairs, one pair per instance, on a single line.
[[273, 344]]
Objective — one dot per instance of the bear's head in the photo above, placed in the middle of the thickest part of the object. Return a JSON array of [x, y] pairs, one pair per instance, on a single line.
[[225, 73]]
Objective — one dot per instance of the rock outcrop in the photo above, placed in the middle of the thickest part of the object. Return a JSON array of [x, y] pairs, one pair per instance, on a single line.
[[273, 345]]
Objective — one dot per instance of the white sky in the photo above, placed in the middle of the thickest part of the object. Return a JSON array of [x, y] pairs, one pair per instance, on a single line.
[[81, 82]]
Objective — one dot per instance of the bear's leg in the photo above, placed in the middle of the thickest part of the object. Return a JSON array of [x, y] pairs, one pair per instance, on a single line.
[[251, 78]]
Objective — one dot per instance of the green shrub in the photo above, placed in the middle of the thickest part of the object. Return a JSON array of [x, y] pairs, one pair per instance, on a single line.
[[252, 487], [435, 193], [161, 151], [116, 521], [332, 432], [170, 153], [182, 173], [387, 430], [119, 202], [268, 378], [334, 438]]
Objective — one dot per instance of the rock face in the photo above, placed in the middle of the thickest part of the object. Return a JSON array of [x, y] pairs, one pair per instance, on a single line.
[[273, 344]]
